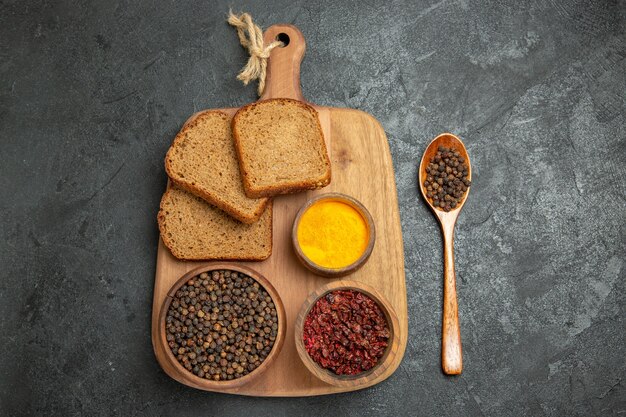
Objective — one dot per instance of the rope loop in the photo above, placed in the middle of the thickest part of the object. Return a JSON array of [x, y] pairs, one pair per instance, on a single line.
[[251, 38]]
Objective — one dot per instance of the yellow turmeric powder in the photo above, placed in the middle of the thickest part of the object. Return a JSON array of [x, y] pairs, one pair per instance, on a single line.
[[332, 234]]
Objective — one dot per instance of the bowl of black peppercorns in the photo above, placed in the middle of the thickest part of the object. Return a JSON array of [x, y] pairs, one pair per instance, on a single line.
[[221, 326]]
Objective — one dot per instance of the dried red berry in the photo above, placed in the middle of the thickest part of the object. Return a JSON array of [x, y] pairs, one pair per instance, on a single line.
[[346, 332]]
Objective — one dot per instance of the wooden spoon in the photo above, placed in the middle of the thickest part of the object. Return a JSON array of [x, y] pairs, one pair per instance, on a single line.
[[451, 352]]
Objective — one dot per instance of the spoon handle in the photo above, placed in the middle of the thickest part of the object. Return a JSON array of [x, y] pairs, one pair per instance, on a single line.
[[451, 351]]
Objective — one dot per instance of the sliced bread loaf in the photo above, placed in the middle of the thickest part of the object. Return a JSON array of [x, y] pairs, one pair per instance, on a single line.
[[281, 147], [202, 160], [194, 230]]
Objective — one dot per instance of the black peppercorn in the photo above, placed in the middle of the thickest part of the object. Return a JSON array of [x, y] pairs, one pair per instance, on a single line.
[[447, 181], [205, 325]]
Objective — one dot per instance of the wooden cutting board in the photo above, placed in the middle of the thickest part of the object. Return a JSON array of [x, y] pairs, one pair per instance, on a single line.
[[362, 168]]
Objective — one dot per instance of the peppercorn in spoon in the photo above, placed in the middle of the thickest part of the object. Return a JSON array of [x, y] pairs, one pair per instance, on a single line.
[[444, 176]]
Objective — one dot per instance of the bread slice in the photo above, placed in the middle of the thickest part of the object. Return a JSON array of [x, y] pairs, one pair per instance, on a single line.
[[203, 161], [194, 230], [281, 147]]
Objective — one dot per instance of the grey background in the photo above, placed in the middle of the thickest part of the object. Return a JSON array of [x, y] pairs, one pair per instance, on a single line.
[[92, 93]]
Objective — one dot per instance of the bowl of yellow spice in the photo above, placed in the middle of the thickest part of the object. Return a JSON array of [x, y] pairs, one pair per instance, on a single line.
[[333, 235]]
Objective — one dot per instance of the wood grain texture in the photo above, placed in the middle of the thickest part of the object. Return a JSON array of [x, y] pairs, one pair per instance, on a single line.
[[387, 360], [283, 67], [451, 350], [362, 168]]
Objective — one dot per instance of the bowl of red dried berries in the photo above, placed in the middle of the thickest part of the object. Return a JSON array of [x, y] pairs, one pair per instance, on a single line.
[[222, 325], [347, 334]]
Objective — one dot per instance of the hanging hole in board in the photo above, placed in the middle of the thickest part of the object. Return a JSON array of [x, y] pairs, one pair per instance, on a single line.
[[284, 38]]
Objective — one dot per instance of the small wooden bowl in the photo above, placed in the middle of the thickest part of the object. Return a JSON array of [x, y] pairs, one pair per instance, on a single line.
[[334, 272], [187, 377], [384, 362]]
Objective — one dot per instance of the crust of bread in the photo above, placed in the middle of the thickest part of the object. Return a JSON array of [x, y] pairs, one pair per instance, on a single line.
[[162, 222], [209, 197], [253, 191]]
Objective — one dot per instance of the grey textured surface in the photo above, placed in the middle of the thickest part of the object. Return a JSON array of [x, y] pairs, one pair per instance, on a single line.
[[92, 93]]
